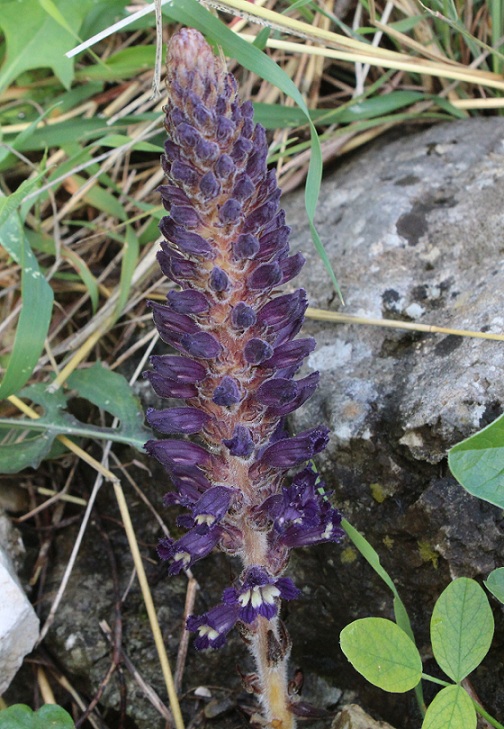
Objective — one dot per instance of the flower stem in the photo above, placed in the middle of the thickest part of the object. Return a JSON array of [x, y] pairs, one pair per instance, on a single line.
[[271, 649]]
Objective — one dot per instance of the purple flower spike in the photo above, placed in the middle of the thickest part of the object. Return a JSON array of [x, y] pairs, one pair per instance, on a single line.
[[226, 247], [213, 626]]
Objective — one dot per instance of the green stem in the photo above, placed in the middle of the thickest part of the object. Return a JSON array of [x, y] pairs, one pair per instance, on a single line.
[[481, 711], [439, 681]]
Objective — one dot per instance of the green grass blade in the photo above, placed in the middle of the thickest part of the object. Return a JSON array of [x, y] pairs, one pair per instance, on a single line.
[[37, 301], [130, 257]]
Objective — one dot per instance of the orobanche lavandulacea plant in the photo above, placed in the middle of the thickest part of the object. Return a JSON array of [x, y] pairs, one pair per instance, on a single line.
[[226, 247]]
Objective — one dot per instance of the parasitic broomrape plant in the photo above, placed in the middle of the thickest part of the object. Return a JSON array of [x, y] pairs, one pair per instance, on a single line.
[[226, 248]]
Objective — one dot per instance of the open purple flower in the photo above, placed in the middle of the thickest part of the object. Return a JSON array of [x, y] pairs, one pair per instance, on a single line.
[[213, 626], [258, 594]]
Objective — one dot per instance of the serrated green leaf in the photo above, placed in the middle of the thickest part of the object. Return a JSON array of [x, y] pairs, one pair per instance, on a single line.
[[495, 583], [382, 653], [37, 300], [451, 709], [462, 627], [478, 463], [49, 716]]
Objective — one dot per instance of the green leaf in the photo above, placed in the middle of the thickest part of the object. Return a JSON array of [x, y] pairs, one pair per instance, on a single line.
[[382, 653], [37, 300], [49, 716], [451, 709], [34, 39], [105, 389], [495, 583], [112, 392], [478, 463], [462, 627]]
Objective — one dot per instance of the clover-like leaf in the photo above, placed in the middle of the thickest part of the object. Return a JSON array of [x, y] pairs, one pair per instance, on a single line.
[[478, 463], [462, 627], [382, 652], [49, 716], [451, 709], [495, 583]]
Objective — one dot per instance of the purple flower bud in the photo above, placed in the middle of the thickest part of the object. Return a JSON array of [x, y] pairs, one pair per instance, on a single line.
[[206, 151], [213, 626], [277, 391], [175, 452], [178, 368], [225, 129], [291, 266], [184, 173], [293, 451], [172, 153], [257, 351], [186, 551], [282, 309], [246, 246], [187, 135], [230, 211], [243, 316], [241, 148], [185, 215], [224, 167], [260, 216], [275, 242], [304, 389], [185, 240], [218, 280], [175, 267], [172, 325], [191, 484], [244, 188], [203, 116], [209, 185], [173, 195], [188, 301], [265, 276], [212, 506], [166, 388], [241, 444], [290, 354], [177, 420], [227, 393], [201, 344]]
